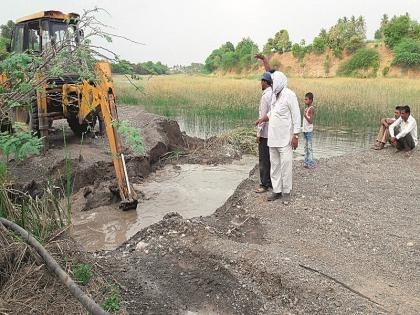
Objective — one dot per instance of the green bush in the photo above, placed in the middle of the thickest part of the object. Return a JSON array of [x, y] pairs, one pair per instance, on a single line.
[[319, 44], [407, 53], [398, 28], [82, 273], [298, 51], [385, 71], [363, 59]]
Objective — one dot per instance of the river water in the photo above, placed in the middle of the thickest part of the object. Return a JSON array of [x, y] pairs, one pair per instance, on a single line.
[[192, 190]]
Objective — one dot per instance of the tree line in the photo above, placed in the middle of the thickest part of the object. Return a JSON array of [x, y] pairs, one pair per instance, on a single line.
[[348, 35], [142, 68]]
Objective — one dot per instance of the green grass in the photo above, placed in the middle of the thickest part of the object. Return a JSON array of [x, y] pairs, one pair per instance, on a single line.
[[112, 302], [82, 273], [344, 103]]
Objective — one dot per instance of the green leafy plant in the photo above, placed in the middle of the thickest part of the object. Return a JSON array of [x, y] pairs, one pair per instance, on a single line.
[[363, 59], [398, 28], [113, 299], [21, 144], [385, 71], [82, 273], [407, 53], [130, 134]]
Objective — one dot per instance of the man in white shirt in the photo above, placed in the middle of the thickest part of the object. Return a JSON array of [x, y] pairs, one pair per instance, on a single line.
[[406, 139], [262, 133], [283, 133]]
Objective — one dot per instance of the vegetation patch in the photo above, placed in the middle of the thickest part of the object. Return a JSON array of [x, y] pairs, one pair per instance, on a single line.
[[82, 273], [363, 59], [112, 302], [407, 53]]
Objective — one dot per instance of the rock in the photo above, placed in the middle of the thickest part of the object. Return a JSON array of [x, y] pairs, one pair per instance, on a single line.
[[410, 244], [141, 245]]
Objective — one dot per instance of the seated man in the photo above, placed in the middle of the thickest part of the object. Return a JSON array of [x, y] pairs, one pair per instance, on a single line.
[[383, 134], [406, 139]]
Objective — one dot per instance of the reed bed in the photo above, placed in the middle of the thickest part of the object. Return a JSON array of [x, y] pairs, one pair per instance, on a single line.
[[341, 102]]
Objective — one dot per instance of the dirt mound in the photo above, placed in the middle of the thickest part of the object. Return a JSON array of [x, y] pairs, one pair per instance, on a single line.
[[89, 160]]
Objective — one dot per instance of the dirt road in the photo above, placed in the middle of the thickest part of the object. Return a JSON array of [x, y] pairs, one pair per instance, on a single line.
[[347, 244]]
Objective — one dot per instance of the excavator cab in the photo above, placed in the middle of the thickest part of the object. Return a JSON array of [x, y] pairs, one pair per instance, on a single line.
[[36, 32], [68, 96]]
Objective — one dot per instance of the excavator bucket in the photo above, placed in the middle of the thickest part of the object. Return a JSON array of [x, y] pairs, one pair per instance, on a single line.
[[128, 204]]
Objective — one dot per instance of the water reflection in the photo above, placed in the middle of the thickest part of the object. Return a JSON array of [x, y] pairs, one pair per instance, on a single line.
[[326, 142]]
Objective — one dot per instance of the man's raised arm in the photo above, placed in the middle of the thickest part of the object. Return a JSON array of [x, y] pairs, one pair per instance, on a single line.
[[264, 60]]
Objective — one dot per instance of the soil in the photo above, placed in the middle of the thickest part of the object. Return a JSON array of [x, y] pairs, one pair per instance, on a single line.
[[348, 243], [314, 65]]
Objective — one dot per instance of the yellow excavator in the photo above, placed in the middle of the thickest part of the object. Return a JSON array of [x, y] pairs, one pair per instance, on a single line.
[[68, 97]]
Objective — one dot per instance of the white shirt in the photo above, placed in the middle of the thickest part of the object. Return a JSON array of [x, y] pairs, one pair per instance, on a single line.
[[284, 118], [307, 127], [407, 127], [262, 129]]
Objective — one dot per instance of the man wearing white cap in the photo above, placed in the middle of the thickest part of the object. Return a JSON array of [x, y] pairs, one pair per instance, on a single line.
[[283, 133]]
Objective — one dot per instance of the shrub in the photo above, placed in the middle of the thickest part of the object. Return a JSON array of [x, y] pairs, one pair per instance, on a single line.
[[407, 53], [319, 45], [385, 71], [298, 51], [82, 273], [398, 28], [363, 59], [327, 64]]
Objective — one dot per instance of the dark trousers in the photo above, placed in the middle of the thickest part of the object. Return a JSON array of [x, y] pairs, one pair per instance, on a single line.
[[264, 162], [406, 143]]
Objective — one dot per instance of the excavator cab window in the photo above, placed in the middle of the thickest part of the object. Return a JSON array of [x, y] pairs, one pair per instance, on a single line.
[[36, 36], [17, 41], [27, 37]]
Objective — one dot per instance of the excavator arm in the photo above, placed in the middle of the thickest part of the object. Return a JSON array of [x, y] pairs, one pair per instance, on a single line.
[[128, 196]]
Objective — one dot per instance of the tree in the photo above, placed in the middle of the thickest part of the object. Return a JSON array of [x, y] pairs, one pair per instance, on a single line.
[[398, 28], [407, 53], [281, 42], [347, 34], [122, 67], [227, 47], [213, 62], [268, 47], [6, 29], [379, 34], [320, 42], [245, 52]]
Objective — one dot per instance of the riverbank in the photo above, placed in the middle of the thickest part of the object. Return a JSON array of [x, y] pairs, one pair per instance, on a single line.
[[347, 244]]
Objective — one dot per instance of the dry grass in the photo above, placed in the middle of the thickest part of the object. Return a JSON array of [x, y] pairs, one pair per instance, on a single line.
[[341, 102], [27, 287]]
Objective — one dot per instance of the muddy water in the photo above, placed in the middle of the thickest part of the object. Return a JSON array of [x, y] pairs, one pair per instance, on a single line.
[[190, 190]]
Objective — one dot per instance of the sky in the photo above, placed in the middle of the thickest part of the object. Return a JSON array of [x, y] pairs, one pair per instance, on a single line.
[[184, 31]]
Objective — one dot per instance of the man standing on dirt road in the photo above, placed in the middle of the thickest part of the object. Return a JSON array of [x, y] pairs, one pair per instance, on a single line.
[[262, 133], [283, 133]]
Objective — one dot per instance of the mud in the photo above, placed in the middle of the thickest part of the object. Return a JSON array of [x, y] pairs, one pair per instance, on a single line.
[[190, 189]]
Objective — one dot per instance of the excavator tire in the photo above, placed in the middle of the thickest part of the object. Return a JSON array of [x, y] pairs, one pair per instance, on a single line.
[[34, 121], [87, 125]]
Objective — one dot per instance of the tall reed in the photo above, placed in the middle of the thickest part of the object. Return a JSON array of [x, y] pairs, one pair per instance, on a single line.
[[341, 102]]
